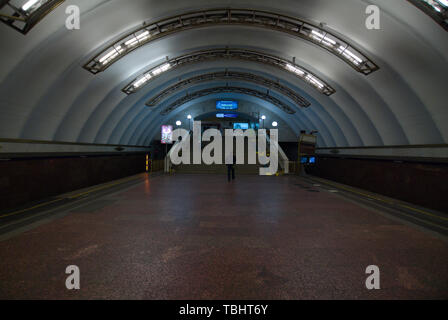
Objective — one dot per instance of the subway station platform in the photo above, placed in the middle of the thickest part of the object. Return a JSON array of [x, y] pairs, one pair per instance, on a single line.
[[199, 237]]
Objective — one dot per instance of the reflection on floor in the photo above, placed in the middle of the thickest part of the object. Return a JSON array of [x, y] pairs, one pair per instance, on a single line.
[[199, 237]]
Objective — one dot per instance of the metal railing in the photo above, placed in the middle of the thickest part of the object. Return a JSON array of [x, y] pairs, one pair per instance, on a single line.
[[282, 157]]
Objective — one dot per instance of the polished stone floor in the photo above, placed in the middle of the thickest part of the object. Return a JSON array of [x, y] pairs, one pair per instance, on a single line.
[[199, 237]]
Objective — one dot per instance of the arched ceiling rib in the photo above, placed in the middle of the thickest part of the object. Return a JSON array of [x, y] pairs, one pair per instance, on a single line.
[[229, 75], [79, 109], [228, 89], [202, 56], [231, 16], [47, 95]]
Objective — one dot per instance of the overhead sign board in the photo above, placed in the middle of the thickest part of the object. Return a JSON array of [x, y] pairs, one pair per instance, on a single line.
[[226, 105], [226, 115]]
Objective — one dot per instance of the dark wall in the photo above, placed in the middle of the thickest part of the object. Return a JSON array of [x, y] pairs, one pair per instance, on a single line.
[[291, 150], [159, 150], [27, 180], [424, 184]]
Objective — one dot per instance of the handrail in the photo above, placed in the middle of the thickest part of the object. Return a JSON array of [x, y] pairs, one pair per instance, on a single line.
[[284, 163]]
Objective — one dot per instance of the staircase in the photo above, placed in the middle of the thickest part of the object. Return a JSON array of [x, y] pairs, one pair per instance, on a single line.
[[240, 169], [244, 169]]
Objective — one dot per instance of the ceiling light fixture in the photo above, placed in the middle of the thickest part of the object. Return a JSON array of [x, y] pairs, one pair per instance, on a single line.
[[317, 34], [240, 54]]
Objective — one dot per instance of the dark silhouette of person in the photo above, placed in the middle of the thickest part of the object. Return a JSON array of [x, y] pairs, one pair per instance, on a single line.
[[231, 170]]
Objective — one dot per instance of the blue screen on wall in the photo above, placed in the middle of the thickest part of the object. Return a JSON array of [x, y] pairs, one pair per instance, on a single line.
[[308, 160], [243, 126], [226, 105]]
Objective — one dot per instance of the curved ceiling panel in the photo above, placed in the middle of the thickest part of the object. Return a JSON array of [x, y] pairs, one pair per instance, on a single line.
[[45, 94], [66, 128], [304, 117], [122, 113]]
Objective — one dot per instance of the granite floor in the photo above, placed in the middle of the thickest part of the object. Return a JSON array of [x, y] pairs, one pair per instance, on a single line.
[[199, 237]]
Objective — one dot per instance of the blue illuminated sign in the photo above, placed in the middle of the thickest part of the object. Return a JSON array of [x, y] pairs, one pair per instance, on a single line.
[[308, 160], [226, 105], [243, 126], [226, 115]]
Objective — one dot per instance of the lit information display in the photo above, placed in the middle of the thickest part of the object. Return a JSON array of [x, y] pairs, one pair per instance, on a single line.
[[167, 134], [226, 115], [226, 105]]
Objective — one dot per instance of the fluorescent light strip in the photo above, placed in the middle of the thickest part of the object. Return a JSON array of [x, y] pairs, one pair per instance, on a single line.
[[132, 42], [142, 80], [112, 54], [161, 69], [437, 5], [149, 75], [322, 38], [29, 4], [241, 54], [350, 55], [295, 70], [307, 76], [219, 16], [314, 81], [135, 40]]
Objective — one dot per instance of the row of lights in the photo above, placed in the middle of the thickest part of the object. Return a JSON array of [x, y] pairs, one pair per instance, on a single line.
[[29, 4], [438, 5], [307, 31], [342, 49], [179, 123], [147, 76], [274, 124], [189, 117]]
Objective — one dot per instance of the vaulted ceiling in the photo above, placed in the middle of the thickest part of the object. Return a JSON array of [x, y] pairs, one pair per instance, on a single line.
[[46, 94]]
